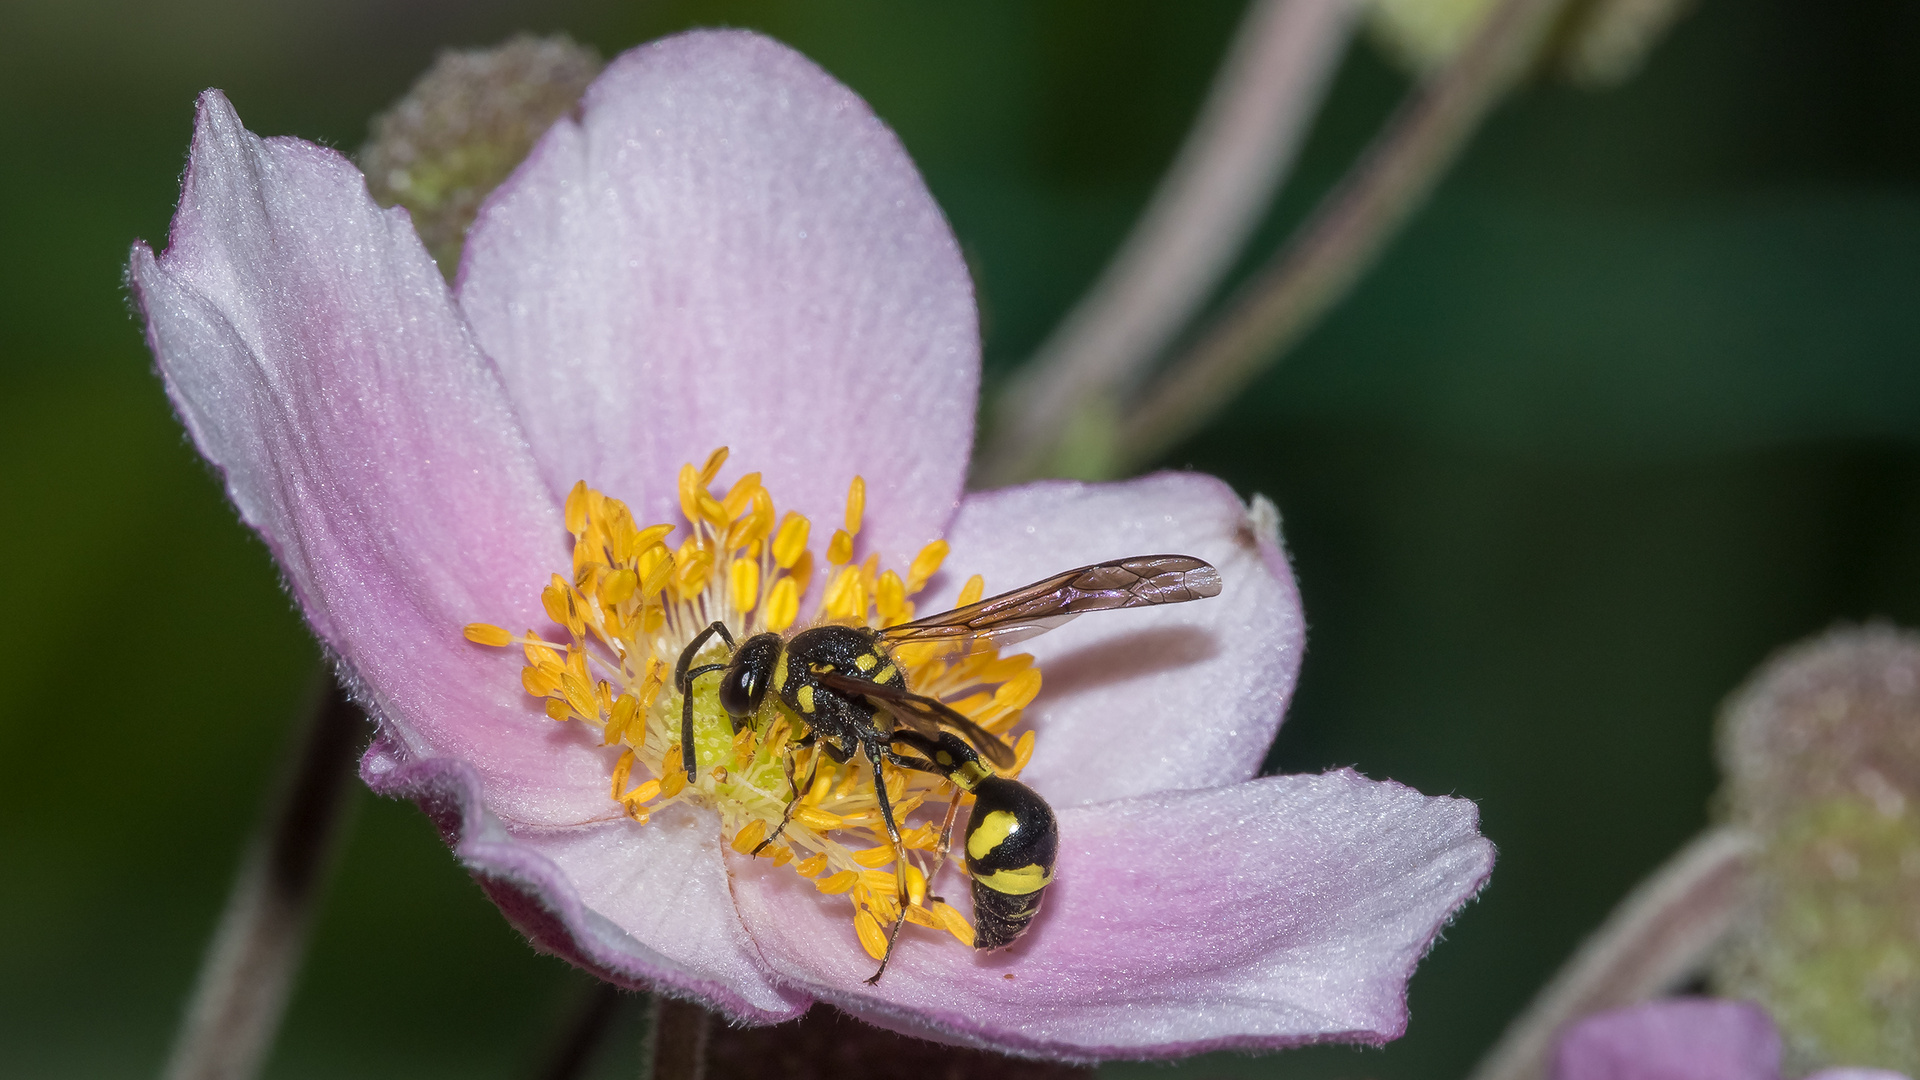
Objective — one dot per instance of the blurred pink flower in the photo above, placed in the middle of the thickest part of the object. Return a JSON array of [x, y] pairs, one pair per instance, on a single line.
[[1682, 1039], [725, 246]]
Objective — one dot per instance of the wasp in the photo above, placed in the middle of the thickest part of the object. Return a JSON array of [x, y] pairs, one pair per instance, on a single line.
[[844, 686]]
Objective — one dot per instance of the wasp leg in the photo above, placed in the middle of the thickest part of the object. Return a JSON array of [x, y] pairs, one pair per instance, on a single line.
[[686, 716], [683, 682], [928, 747], [946, 841], [791, 803], [876, 755]]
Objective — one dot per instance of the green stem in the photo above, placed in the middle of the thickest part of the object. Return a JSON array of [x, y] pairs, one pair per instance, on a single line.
[[1240, 147], [1322, 261]]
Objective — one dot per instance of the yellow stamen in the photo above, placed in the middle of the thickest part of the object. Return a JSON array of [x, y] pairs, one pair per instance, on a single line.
[[840, 548], [818, 820], [955, 922], [577, 508], [890, 597], [673, 781], [783, 605], [712, 468], [740, 496], [791, 541], [872, 938], [487, 634], [744, 581], [971, 592], [856, 505], [838, 883], [749, 836], [925, 565], [621, 770]]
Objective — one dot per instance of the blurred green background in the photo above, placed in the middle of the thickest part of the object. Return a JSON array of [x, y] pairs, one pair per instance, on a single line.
[[1633, 402]]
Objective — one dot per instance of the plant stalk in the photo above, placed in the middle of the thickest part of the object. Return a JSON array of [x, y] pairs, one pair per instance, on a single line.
[[1323, 260], [247, 975]]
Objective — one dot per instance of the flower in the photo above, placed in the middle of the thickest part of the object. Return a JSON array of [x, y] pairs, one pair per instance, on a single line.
[[726, 247], [1682, 1039]]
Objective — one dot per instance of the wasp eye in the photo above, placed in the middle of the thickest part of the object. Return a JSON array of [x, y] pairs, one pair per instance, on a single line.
[[741, 690]]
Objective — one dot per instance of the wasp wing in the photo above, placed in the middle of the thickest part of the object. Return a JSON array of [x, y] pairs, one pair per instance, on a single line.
[[923, 714], [1011, 617]]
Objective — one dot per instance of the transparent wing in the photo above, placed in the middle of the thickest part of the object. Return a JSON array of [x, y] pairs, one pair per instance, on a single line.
[[922, 714], [1011, 617]]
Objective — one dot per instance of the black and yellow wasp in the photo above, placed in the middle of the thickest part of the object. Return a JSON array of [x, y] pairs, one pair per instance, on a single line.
[[842, 683]]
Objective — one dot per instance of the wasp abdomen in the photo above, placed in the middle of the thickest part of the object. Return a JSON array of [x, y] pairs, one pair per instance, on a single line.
[[1012, 842]]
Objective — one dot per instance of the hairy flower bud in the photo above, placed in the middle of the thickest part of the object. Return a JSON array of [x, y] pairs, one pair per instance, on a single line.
[[464, 126], [1822, 756]]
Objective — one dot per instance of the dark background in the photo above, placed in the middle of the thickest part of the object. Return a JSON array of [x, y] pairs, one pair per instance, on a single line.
[[1632, 403]]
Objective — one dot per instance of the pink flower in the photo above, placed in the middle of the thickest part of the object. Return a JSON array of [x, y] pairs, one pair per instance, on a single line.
[[726, 247], [1682, 1039]]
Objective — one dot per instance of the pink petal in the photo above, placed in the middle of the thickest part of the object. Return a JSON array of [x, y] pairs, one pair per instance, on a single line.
[[1277, 912], [318, 361], [645, 906], [728, 247], [1133, 702], [1857, 1074], [1677, 1039]]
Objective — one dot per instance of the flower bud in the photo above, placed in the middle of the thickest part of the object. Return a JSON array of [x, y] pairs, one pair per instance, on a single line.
[[464, 126], [1821, 751]]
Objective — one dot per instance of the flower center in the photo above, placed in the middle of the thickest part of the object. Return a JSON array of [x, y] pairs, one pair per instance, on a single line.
[[632, 606]]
